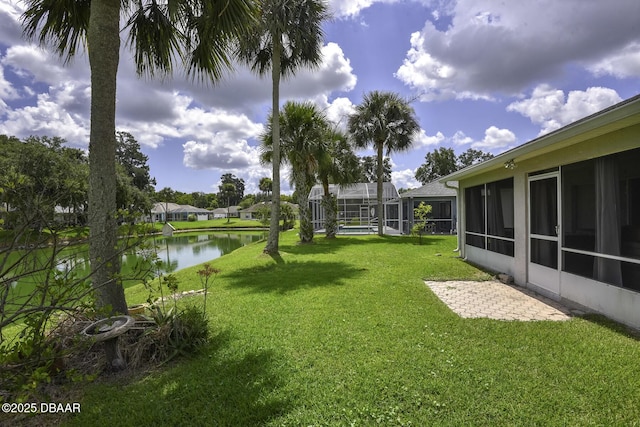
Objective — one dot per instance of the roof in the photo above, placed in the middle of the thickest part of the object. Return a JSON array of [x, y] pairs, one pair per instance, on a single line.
[[616, 117], [254, 208], [431, 189], [360, 190], [162, 207]]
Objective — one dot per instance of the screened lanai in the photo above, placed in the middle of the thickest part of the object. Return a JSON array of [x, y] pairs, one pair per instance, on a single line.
[[357, 207]]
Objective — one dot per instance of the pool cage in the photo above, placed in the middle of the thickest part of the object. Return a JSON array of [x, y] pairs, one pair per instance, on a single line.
[[357, 207]]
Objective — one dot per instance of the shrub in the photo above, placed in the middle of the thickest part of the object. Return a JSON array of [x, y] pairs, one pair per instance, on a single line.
[[192, 218]]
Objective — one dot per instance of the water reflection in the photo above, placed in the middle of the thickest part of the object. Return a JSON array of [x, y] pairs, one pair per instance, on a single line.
[[178, 252], [160, 255]]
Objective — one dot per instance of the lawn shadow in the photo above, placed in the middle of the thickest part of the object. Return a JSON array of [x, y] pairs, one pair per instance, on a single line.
[[612, 325], [216, 387], [291, 276]]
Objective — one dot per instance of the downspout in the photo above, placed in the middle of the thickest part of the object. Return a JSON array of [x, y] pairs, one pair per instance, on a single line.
[[457, 188]]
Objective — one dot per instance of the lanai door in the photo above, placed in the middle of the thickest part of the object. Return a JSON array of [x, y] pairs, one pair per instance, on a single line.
[[544, 229]]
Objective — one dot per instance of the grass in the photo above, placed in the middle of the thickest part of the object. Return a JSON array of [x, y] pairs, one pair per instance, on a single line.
[[345, 332], [216, 223]]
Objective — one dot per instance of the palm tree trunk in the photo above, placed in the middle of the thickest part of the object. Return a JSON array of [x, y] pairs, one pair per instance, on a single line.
[[306, 224], [274, 226], [330, 206], [103, 39], [380, 171]]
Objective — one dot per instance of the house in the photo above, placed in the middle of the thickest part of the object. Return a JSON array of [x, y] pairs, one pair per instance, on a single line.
[[357, 205], [561, 213], [442, 200], [219, 213], [164, 211], [252, 212]]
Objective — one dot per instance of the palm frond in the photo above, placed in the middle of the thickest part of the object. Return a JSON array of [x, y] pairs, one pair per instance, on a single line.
[[61, 24]]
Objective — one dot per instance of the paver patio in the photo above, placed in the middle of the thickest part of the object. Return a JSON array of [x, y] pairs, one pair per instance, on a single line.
[[496, 300]]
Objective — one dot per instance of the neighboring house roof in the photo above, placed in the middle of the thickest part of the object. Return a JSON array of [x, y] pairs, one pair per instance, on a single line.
[[431, 189], [360, 190], [254, 208], [618, 116], [220, 211], [190, 209], [162, 207]]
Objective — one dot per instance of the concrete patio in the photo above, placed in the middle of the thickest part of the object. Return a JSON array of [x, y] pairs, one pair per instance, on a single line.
[[496, 300]]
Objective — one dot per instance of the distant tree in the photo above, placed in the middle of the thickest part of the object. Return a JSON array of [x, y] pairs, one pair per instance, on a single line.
[[443, 161], [185, 199], [128, 154], [368, 169], [247, 201], [167, 194], [238, 185], [212, 201], [38, 175], [471, 157], [288, 35], [266, 186], [200, 199], [388, 123], [264, 214], [227, 192], [440, 162]]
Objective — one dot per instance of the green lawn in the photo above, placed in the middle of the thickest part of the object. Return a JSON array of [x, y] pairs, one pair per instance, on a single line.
[[345, 333], [217, 223]]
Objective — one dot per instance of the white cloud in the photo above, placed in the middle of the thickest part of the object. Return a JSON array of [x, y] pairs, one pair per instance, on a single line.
[[351, 8], [10, 16], [495, 139], [622, 64], [504, 47], [551, 109], [32, 62], [221, 152], [337, 111], [46, 118], [404, 179], [459, 138], [7, 91], [424, 140]]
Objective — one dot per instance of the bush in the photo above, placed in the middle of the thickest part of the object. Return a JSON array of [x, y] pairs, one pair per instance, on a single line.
[[192, 218], [178, 333]]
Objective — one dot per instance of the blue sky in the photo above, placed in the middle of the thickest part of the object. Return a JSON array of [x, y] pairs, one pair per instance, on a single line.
[[484, 74]]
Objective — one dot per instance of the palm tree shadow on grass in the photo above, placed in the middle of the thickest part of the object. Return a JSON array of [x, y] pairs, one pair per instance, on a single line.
[[222, 389], [292, 276]]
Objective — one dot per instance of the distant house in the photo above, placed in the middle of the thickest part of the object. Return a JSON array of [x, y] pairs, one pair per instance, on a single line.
[[561, 213], [219, 213], [164, 211], [252, 211], [443, 207], [357, 205]]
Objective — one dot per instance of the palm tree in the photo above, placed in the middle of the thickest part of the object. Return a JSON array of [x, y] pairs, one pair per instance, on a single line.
[[387, 121], [288, 35], [302, 129], [265, 185], [228, 190], [197, 31], [339, 166]]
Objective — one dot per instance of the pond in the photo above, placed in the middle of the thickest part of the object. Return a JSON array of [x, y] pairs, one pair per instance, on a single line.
[[170, 253]]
